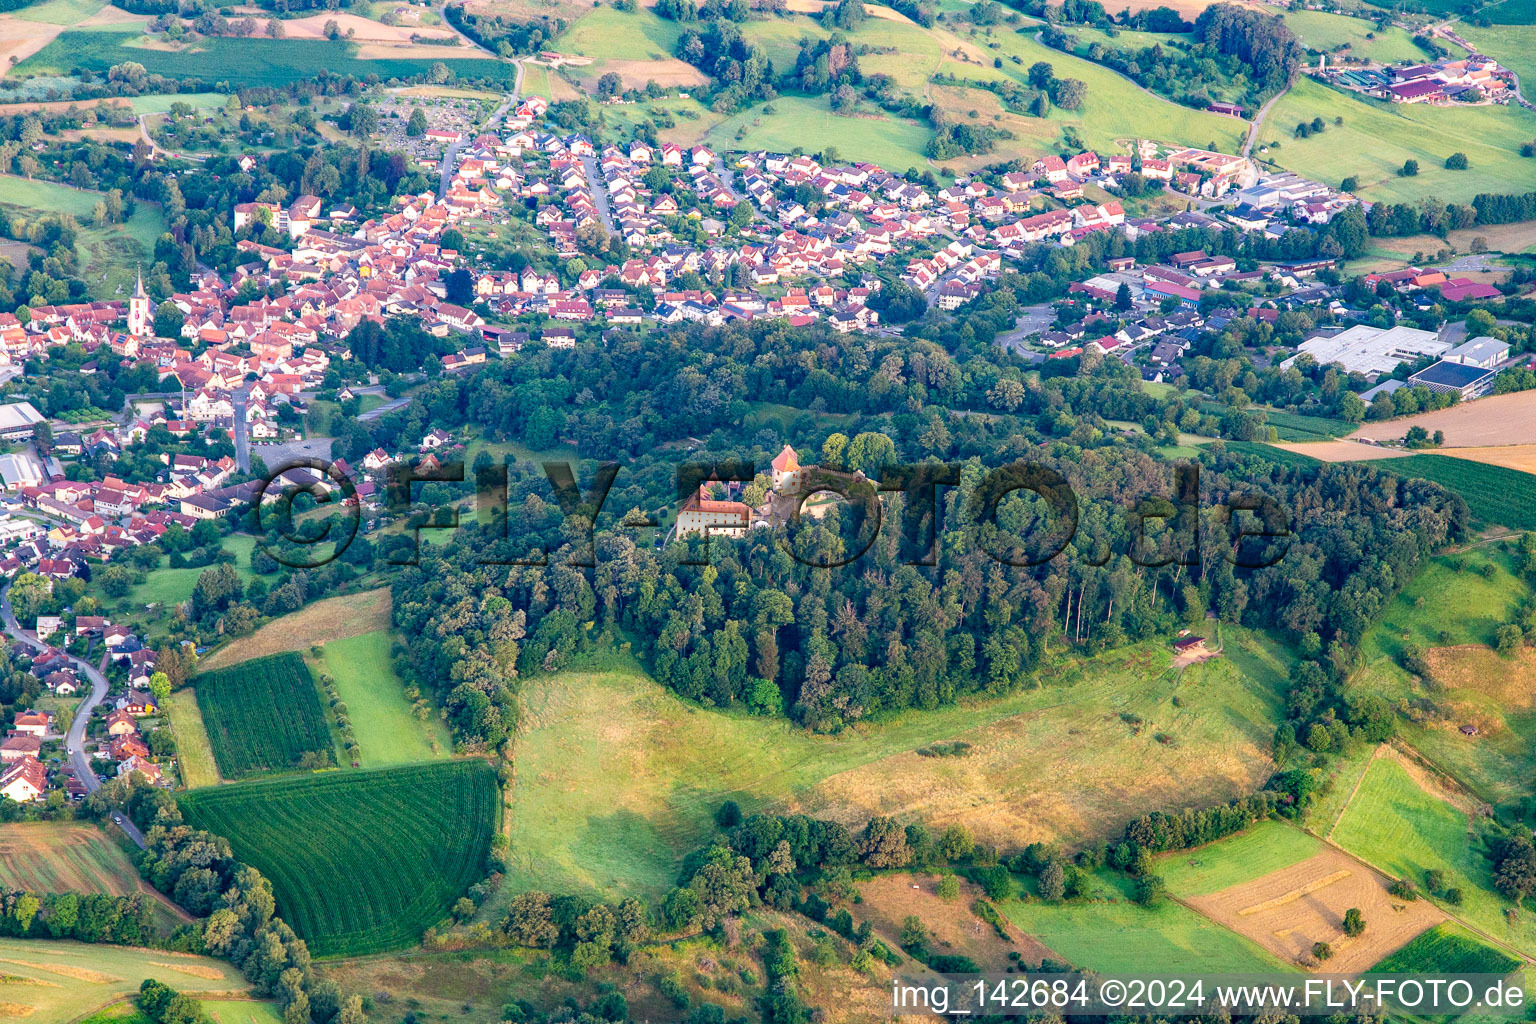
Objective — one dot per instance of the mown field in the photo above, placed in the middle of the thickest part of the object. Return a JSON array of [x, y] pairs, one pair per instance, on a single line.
[[241, 1011], [67, 857], [1496, 496], [1114, 934], [194, 754], [1402, 829], [383, 853], [383, 721], [237, 62], [50, 981], [263, 715], [1377, 137], [617, 779], [1252, 853]]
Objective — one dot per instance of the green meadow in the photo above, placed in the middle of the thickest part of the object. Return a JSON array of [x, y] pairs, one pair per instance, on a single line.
[[808, 123], [107, 254], [383, 721], [236, 62], [1398, 827], [617, 779], [610, 34], [1111, 933], [1326, 32], [1377, 137], [1253, 853]]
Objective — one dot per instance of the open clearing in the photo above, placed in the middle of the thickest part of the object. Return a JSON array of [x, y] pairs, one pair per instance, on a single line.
[[1486, 422], [1509, 682], [617, 779], [1400, 828], [1338, 451], [889, 898], [62, 981], [387, 729], [334, 618], [63, 857], [1286, 911], [1458, 601], [107, 254]]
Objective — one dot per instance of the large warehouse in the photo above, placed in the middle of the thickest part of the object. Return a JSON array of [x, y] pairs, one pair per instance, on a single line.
[[1372, 351]]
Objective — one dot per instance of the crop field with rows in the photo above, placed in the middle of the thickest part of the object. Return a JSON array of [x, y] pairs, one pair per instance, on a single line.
[[263, 715], [360, 862]]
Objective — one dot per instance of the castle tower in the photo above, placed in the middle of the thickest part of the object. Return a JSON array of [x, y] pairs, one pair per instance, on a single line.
[[139, 321]]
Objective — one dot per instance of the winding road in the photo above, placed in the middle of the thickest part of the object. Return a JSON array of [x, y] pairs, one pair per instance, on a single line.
[[75, 742], [1258, 121]]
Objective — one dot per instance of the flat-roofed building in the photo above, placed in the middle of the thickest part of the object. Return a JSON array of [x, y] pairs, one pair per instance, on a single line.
[[1372, 351]]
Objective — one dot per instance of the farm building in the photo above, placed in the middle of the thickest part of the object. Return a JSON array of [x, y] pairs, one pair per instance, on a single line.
[[1189, 645]]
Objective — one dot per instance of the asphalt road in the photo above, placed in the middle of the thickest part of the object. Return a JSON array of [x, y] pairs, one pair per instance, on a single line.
[[451, 156], [75, 741]]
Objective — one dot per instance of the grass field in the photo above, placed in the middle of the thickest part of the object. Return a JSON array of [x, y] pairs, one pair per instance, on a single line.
[[1377, 137], [1451, 601], [387, 730], [1279, 456], [1452, 609], [194, 754], [237, 62], [61, 981], [1113, 934], [263, 715], [60, 12], [1402, 829], [1447, 949], [1495, 495], [384, 853], [66, 857], [170, 587], [1267, 846], [608, 33], [241, 1011], [107, 254], [617, 779], [809, 124], [1319, 30]]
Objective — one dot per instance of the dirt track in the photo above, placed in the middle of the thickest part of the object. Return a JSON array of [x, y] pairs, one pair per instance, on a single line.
[[1287, 911]]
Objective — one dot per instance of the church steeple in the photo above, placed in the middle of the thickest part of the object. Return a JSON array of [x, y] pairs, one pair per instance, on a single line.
[[139, 320]]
